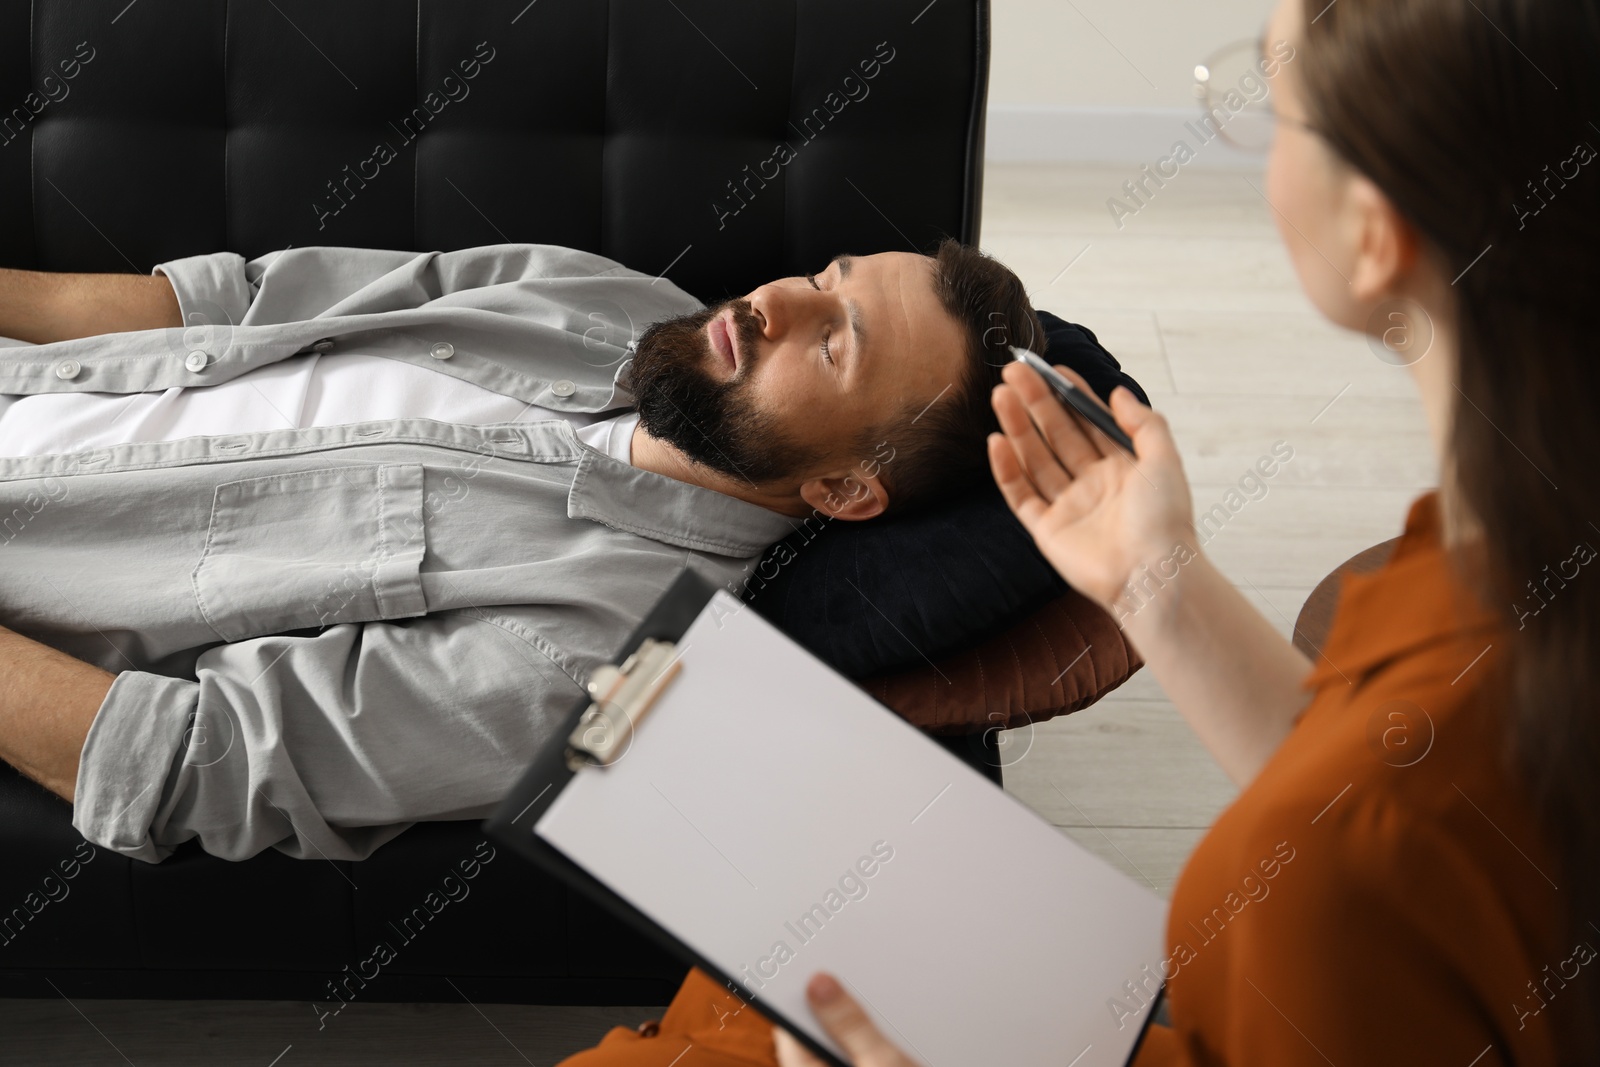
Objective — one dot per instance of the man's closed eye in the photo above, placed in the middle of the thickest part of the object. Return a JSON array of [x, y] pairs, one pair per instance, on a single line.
[[827, 356]]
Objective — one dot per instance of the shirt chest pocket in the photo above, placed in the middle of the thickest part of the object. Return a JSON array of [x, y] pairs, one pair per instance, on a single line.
[[313, 548]]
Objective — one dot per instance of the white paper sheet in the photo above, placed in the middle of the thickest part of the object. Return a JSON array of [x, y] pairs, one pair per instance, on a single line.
[[777, 820]]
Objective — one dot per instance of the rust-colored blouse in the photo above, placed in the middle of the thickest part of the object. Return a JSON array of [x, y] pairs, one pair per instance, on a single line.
[[1381, 893]]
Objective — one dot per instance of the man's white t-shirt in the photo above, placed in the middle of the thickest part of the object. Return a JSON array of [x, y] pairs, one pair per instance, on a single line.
[[299, 392]]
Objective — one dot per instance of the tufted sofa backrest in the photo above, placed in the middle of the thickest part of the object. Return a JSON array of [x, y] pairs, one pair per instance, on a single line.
[[720, 142]]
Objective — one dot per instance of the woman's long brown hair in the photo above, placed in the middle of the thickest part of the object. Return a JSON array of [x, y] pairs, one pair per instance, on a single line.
[[1478, 119]]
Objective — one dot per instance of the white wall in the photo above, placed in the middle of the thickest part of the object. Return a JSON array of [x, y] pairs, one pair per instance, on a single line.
[[1104, 80]]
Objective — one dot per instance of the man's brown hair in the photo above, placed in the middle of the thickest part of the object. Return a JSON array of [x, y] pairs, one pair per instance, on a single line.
[[941, 449]]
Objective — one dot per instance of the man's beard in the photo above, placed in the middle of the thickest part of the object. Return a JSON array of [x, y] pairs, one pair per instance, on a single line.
[[713, 422]]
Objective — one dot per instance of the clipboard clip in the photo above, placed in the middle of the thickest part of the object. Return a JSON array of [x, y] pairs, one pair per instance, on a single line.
[[621, 696]]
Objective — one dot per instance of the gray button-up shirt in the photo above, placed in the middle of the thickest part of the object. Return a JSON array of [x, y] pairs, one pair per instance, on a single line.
[[324, 635]]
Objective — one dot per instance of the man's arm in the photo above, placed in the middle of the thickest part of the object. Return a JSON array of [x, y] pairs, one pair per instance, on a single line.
[[47, 702], [293, 284], [325, 745], [41, 307]]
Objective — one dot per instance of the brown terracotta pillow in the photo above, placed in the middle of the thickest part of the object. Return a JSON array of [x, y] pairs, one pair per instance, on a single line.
[[1062, 657]]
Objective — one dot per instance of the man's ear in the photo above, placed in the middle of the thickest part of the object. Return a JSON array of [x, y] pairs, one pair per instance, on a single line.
[[1387, 245], [851, 496]]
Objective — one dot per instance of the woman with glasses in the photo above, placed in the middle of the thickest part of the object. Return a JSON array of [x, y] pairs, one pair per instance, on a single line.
[[1411, 872]]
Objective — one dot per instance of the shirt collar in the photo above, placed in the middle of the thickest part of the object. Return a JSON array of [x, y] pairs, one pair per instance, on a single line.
[[665, 509], [1415, 599]]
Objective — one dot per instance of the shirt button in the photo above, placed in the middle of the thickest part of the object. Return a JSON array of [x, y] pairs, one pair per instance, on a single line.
[[442, 350], [196, 361], [68, 369], [563, 388], [322, 346]]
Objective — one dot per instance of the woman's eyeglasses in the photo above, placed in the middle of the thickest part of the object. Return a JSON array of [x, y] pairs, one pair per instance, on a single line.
[[1234, 86]]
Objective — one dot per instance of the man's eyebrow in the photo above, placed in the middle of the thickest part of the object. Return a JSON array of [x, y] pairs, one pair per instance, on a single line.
[[857, 329]]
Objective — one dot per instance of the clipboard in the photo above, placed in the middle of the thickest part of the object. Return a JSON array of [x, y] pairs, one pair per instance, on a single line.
[[691, 794]]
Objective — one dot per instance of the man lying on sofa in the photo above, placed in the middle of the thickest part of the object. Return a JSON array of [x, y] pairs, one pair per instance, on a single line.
[[302, 550]]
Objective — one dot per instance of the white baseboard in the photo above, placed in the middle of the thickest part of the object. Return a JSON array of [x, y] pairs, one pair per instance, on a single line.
[[1128, 136]]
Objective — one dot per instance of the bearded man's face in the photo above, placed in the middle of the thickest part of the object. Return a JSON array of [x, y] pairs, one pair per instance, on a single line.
[[790, 382], [714, 421]]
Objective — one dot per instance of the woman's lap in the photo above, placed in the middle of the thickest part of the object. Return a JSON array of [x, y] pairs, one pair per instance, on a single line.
[[720, 1028]]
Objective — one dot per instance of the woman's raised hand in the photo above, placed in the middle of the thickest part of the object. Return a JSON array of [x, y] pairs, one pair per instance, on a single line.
[[848, 1024], [1097, 513]]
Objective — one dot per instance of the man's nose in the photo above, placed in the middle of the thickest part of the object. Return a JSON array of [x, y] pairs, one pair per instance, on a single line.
[[782, 309]]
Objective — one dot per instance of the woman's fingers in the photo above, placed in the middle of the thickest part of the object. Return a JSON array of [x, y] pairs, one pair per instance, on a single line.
[[1093, 511], [792, 1053], [1033, 453], [849, 1025], [1021, 496], [1149, 431], [1067, 437]]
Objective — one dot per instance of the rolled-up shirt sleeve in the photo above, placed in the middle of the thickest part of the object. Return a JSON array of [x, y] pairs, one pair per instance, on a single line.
[[222, 290], [211, 289], [323, 745]]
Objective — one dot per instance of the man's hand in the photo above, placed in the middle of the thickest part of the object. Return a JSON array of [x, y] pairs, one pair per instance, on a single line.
[[847, 1023], [41, 307]]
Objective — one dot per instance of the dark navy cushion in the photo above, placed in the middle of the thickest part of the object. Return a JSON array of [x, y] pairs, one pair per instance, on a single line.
[[870, 597]]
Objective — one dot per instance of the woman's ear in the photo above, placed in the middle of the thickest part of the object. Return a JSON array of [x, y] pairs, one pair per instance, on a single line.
[[851, 496], [1386, 244]]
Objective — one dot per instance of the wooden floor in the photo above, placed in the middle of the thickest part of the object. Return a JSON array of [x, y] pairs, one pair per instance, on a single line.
[[1196, 297]]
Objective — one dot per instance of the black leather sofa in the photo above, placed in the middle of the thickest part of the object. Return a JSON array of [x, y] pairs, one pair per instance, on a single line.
[[646, 130]]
